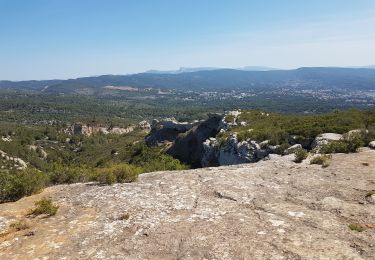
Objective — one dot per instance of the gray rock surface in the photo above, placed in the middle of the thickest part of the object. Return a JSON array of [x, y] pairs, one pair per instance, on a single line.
[[292, 149], [233, 152], [166, 130], [325, 138], [372, 145], [272, 209], [188, 146]]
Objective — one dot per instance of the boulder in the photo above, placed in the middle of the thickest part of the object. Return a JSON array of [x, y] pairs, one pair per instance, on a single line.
[[297, 139], [144, 125], [371, 144], [209, 155], [292, 149], [355, 133], [371, 198], [324, 139], [166, 131], [233, 152], [188, 146]]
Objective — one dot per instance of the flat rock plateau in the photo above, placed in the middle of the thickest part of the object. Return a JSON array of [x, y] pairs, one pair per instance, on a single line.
[[274, 209]]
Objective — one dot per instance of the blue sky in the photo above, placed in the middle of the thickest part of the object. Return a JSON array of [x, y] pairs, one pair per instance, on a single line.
[[45, 39]]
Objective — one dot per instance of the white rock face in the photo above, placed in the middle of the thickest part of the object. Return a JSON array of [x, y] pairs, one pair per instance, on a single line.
[[6, 138], [234, 113], [88, 129], [325, 138], [18, 162], [233, 152], [372, 145], [144, 125]]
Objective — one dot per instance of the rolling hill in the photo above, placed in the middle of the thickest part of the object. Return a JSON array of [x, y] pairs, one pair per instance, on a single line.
[[307, 78]]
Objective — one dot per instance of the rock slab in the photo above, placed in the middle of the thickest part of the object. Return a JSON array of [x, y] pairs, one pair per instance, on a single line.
[[273, 209]]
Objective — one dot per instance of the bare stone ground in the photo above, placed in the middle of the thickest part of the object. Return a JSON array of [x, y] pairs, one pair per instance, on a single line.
[[269, 210]]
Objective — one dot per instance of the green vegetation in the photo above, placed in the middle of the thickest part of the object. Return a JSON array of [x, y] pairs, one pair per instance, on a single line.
[[44, 206], [58, 157], [16, 184], [34, 124], [322, 160], [300, 155], [121, 173], [277, 128], [19, 225], [348, 145], [124, 216], [357, 227]]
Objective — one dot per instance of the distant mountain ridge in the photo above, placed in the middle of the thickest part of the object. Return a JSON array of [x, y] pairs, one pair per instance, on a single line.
[[308, 77], [187, 69]]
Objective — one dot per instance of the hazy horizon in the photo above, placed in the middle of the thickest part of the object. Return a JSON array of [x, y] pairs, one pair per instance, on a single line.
[[168, 71], [69, 39]]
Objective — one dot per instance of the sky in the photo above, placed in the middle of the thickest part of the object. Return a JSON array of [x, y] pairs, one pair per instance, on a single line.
[[50, 39]]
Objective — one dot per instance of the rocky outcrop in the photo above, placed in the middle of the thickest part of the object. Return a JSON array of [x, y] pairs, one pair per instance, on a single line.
[[296, 139], [273, 209], [15, 162], [188, 146], [324, 139], [292, 149], [91, 129], [166, 131], [144, 125], [232, 152], [6, 139]]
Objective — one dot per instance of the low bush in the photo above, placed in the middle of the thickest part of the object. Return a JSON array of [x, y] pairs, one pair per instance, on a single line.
[[69, 174], [124, 216], [44, 206], [17, 184], [349, 145], [300, 155], [19, 225], [321, 160], [152, 159], [281, 148], [357, 227], [122, 173]]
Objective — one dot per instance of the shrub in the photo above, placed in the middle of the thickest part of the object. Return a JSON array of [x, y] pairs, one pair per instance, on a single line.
[[124, 216], [300, 155], [321, 160], [357, 227], [15, 185], [281, 148], [348, 145], [335, 147], [117, 173], [152, 159], [69, 174], [19, 225], [44, 206]]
